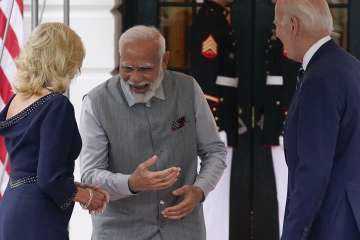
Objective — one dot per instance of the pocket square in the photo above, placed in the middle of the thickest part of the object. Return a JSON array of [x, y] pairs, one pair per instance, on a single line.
[[179, 123]]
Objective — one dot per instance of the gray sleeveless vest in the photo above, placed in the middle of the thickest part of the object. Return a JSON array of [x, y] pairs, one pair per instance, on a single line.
[[135, 134]]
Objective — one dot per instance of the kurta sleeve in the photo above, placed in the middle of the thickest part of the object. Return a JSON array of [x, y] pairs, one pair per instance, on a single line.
[[210, 148], [94, 160], [55, 166]]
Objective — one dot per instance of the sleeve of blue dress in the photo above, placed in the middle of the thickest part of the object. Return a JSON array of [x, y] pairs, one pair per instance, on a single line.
[[55, 166]]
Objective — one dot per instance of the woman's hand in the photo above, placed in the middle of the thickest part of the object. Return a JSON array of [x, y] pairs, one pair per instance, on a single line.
[[92, 198], [99, 201]]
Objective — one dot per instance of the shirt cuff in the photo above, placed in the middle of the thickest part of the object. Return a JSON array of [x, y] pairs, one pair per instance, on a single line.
[[203, 186], [123, 185]]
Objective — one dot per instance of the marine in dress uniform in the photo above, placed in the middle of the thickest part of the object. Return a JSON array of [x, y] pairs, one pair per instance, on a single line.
[[280, 79], [213, 55], [213, 64]]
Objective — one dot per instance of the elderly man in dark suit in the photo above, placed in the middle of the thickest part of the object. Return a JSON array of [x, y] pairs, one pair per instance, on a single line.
[[322, 133]]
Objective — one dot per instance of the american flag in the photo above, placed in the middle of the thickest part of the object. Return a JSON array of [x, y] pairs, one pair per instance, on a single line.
[[11, 39]]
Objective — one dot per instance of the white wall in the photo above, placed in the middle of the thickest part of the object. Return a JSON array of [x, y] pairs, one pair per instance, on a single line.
[[98, 24]]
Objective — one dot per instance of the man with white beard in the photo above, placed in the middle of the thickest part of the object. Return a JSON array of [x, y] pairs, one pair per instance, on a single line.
[[142, 132]]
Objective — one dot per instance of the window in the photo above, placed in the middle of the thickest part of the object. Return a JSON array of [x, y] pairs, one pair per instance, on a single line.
[[175, 20], [339, 10]]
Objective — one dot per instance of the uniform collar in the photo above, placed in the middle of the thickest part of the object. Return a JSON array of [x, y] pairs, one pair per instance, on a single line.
[[312, 50]]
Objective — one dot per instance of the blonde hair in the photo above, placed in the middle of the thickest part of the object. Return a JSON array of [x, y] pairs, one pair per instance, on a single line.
[[146, 33], [51, 58], [315, 15]]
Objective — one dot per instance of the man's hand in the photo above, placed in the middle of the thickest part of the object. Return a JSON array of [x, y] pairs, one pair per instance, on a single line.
[[99, 201], [192, 196], [92, 198], [142, 179]]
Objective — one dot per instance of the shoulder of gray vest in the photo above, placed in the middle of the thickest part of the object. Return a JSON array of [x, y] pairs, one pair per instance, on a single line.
[[178, 75], [112, 84]]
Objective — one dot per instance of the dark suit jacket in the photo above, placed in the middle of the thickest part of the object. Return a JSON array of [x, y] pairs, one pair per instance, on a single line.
[[322, 145]]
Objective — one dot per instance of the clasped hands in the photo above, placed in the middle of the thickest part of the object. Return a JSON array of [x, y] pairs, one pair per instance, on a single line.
[[92, 198], [143, 179]]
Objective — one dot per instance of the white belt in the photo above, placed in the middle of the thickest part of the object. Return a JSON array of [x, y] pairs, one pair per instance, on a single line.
[[274, 80], [227, 81], [223, 137]]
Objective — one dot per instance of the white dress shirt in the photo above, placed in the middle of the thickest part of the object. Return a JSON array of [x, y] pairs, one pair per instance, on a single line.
[[312, 50]]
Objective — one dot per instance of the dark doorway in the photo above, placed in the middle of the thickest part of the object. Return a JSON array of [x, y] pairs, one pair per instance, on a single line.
[[253, 208]]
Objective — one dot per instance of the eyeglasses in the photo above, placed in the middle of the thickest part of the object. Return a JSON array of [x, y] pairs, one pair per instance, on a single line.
[[142, 69]]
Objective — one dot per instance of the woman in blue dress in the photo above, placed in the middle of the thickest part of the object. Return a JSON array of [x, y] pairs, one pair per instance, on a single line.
[[43, 140]]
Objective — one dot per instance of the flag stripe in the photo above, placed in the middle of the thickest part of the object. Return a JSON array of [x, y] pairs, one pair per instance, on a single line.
[[4, 180], [13, 10], [15, 21], [11, 41], [21, 7], [2, 151], [8, 65], [5, 89]]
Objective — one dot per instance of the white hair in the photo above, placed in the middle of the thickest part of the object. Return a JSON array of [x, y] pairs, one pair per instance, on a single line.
[[314, 15], [146, 33]]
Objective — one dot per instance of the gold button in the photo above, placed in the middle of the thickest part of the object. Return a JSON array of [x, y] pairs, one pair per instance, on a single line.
[[221, 99], [216, 118], [214, 109]]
